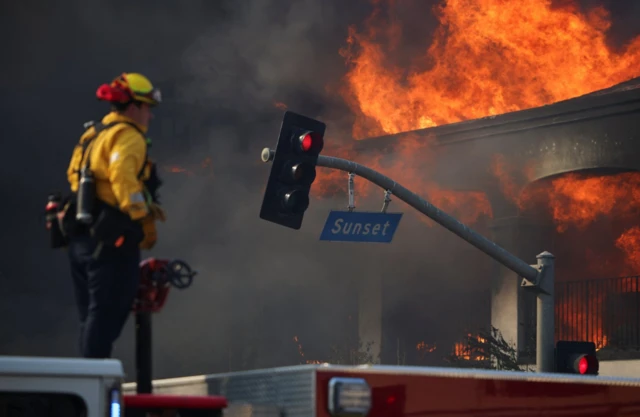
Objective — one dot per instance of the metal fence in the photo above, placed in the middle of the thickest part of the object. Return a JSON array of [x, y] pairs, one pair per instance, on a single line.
[[603, 311]]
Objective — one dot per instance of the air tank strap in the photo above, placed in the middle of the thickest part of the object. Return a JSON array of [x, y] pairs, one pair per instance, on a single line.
[[99, 127]]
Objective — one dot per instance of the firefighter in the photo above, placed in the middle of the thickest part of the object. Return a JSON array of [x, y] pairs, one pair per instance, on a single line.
[[112, 211]]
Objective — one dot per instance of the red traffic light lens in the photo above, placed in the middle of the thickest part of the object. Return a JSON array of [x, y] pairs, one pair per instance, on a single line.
[[306, 142]]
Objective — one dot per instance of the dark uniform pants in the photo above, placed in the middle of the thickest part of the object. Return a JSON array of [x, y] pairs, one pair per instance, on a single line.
[[105, 288]]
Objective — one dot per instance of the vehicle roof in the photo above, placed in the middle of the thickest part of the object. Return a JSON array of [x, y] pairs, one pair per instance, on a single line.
[[466, 373], [480, 374], [50, 366]]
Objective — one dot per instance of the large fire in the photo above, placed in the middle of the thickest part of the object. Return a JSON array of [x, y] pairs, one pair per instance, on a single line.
[[577, 202], [488, 57]]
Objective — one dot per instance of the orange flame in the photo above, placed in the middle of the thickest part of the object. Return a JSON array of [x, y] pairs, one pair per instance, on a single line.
[[463, 351], [490, 57], [409, 165], [425, 348], [575, 201], [578, 200], [629, 243], [205, 168], [487, 57], [175, 169], [280, 105]]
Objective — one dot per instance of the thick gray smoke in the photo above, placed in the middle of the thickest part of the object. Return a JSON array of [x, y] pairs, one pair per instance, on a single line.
[[226, 64]]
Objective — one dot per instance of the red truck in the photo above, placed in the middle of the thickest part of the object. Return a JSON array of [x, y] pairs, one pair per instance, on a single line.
[[403, 391], [88, 388]]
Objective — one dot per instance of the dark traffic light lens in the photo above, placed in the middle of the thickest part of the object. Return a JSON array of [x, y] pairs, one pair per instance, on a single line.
[[295, 201], [303, 172]]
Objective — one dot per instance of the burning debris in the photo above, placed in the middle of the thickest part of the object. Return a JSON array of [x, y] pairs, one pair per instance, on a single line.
[[280, 105], [486, 350], [301, 352], [425, 348]]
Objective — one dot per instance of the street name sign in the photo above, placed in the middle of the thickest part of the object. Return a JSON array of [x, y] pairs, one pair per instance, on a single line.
[[358, 226]]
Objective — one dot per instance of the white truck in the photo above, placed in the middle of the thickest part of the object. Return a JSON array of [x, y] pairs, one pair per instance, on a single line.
[[69, 387], [64, 387]]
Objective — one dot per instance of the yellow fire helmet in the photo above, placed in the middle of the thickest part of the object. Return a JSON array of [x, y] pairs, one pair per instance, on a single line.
[[130, 86]]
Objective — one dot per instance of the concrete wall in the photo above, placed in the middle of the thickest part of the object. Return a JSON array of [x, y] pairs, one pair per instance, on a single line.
[[627, 368]]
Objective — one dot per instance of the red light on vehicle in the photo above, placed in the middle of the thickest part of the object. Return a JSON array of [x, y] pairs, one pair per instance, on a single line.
[[586, 365], [306, 141], [391, 399], [583, 365]]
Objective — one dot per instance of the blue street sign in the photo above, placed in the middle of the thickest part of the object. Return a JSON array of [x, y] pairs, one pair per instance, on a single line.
[[355, 226]]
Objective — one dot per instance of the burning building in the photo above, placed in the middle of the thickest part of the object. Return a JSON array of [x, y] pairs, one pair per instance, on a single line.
[[559, 178], [531, 125]]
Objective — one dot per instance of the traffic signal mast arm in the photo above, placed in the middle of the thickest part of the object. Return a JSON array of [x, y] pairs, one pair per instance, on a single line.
[[540, 278], [476, 239]]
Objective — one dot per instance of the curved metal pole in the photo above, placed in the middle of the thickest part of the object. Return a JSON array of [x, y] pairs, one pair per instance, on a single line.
[[540, 280], [476, 239]]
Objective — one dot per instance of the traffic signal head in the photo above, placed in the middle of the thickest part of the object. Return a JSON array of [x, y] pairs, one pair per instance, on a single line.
[[293, 170], [576, 358]]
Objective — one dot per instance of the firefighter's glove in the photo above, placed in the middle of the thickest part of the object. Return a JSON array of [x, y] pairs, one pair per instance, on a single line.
[[150, 233], [157, 213]]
